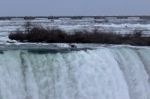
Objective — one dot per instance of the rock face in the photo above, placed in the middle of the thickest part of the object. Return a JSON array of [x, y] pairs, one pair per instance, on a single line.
[[104, 73]]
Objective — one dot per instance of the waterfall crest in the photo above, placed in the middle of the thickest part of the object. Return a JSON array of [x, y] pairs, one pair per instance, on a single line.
[[105, 73]]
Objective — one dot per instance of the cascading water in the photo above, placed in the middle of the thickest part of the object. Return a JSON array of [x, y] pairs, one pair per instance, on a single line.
[[105, 73]]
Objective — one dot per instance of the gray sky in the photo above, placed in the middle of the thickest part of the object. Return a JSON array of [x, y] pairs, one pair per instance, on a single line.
[[74, 7]]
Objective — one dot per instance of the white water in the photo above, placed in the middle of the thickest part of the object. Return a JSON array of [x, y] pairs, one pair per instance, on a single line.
[[107, 24], [105, 73]]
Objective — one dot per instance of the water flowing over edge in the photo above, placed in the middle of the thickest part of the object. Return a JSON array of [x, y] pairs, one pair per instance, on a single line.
[[104, 73]]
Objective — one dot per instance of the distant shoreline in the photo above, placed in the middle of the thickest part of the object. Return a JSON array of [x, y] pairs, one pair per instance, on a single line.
[[75, 17]]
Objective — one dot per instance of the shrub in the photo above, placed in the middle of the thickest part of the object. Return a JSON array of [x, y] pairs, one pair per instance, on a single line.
[[40, 34]]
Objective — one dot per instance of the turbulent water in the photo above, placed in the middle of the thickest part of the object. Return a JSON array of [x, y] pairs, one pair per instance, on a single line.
[[106, 24], [105, 73]]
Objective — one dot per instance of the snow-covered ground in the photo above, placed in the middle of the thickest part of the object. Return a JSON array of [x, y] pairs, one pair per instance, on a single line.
[[107, 24]]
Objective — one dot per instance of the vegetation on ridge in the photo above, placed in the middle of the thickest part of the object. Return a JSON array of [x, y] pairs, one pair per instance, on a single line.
[[46, 35]]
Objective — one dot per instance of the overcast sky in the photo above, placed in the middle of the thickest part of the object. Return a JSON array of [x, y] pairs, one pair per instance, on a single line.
[[73, 7]]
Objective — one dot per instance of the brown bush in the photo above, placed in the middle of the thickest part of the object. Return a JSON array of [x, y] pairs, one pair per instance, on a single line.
[[40, 34]]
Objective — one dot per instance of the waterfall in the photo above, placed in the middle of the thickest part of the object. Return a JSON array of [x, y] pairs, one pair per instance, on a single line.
[[104, 73]]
